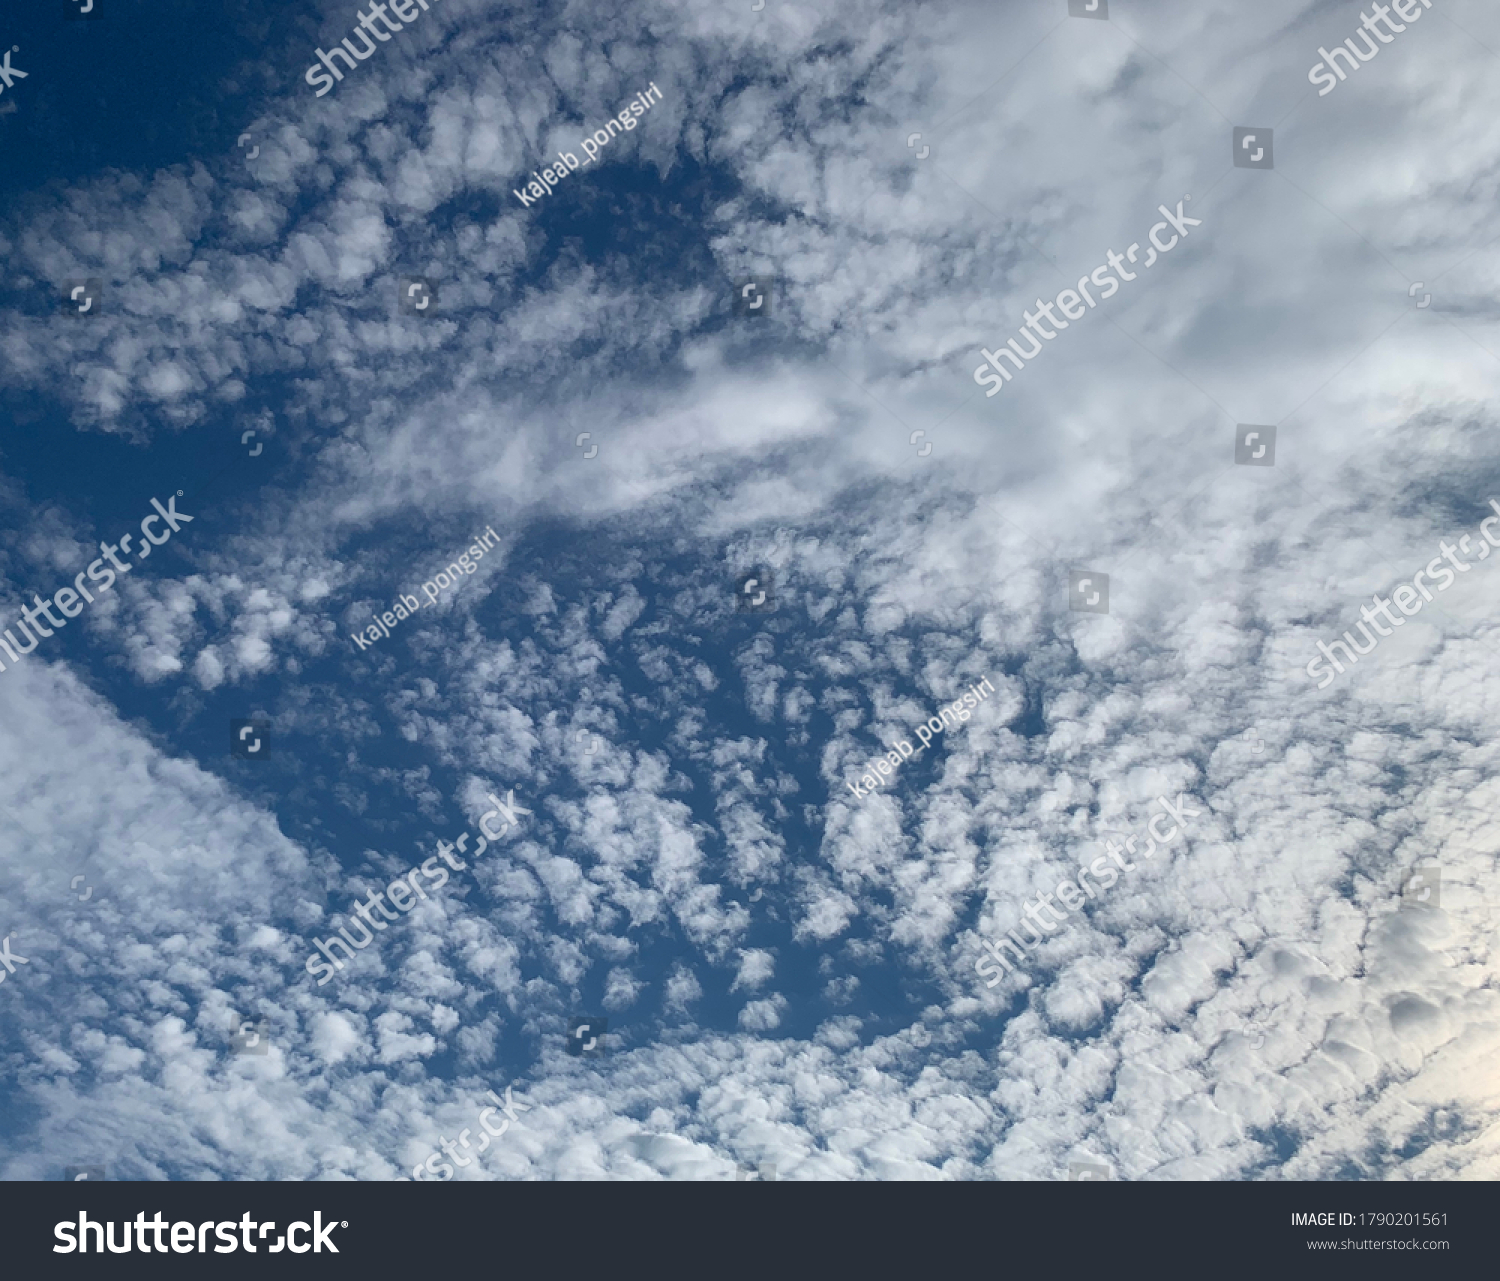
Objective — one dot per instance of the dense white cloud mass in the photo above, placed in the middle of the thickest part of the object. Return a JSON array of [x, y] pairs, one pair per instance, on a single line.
[[788, 969]]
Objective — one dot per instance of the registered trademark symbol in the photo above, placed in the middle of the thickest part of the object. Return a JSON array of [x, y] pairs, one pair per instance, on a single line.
[[344, 1224]]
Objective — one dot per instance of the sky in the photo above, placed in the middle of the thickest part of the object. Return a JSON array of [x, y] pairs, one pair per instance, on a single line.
[[792, 965]]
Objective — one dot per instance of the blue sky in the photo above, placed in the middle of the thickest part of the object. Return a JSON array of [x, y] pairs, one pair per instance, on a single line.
[[789, 972]]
